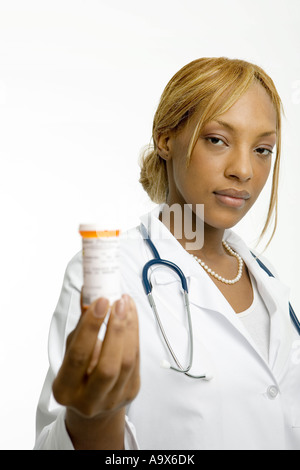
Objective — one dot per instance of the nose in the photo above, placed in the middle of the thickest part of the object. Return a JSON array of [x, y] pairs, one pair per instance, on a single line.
[[239, 166]]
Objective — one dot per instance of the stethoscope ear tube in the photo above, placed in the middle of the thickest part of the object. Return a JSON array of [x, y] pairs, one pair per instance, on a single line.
[[165, 364], [148, 289], [180, 368], [168, 264]]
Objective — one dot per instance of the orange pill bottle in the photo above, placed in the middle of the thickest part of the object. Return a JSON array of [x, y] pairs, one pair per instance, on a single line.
[[101, 263]]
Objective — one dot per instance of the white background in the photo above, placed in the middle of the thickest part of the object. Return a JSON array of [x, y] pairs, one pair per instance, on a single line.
[[79, 85]]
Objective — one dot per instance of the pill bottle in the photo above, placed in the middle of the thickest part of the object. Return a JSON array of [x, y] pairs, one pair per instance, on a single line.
[[101, 267]]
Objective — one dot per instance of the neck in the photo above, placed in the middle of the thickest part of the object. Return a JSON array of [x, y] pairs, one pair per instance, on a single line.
[[212, 245]]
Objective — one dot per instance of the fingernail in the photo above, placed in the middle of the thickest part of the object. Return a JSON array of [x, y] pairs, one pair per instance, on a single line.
[[120, 308], [101, 308], [126, 299]]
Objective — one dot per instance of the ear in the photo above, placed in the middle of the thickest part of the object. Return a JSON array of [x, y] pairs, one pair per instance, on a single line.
[[163, 147]]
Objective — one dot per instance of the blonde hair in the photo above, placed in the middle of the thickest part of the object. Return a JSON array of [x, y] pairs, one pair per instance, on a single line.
[[208, 86]]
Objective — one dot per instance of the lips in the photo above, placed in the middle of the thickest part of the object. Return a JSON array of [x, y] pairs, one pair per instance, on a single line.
[[232, 197], [233, 193]]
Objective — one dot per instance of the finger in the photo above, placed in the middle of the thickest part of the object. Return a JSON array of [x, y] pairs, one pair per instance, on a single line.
[[83, 308], [131, 340], [80, 349], [126, 385], [95, 356], [119, 349], [81, 302], [107, 370], [129, 383], [98, 345], [101, 335], [129, 373]]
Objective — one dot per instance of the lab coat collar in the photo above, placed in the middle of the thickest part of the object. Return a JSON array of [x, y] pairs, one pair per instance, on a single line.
[[203, 293]]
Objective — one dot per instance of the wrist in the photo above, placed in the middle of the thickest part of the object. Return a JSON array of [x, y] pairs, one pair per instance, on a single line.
[[102, 432]]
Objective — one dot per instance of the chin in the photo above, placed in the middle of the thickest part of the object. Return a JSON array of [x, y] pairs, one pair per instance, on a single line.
[[224, 221]]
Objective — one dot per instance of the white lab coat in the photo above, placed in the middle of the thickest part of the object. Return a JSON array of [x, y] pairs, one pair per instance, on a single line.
[[249, 403]]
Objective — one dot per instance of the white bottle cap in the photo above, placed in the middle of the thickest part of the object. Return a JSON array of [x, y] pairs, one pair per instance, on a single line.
[[98, 227]]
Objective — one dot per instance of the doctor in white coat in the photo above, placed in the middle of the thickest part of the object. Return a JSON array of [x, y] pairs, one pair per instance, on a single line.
[[214, 133]]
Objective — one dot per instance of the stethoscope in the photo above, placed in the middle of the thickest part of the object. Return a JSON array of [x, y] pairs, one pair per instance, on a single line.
[[157, 260]]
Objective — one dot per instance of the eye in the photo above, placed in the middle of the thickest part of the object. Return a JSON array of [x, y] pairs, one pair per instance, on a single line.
[[215, 141], [264, 152]]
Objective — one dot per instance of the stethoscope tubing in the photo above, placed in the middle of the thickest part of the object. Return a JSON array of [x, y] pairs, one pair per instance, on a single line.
[[157, 260]]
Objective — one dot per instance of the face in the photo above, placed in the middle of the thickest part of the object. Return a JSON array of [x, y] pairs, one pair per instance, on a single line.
[[230, 163]]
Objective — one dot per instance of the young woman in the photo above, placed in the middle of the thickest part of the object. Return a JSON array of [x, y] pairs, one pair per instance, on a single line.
[[216, 134]]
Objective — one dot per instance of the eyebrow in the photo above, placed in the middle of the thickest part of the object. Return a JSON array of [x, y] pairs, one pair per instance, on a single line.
[[231, 128]]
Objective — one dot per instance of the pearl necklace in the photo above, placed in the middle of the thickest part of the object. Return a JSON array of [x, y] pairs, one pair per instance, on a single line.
[[220, 278]]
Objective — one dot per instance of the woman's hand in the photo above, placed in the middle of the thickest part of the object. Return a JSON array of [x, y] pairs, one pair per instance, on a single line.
[[97, 378]]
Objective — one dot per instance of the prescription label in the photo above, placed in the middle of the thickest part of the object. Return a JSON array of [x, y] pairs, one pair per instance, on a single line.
[[101, 269]]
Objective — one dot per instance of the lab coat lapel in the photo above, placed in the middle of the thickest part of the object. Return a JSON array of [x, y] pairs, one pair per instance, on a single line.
[[205, 295], [276, 298]]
